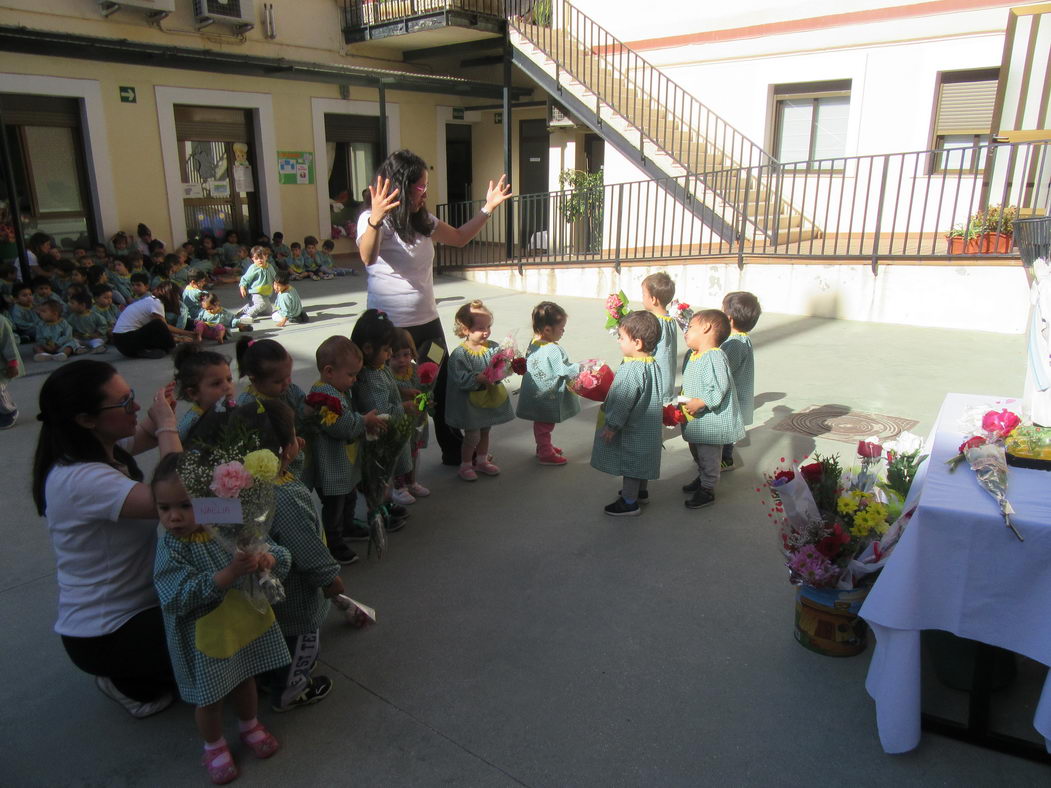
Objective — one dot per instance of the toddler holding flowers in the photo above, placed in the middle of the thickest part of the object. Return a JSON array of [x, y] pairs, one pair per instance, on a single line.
[[407, 377], [544, 398], [471, 402]]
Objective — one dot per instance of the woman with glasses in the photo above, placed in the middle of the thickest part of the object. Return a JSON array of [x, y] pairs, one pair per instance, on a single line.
[[396, 238], [103, 527]]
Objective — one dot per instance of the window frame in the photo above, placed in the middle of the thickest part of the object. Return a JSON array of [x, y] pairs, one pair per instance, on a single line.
[[935, 140], [815, 91]]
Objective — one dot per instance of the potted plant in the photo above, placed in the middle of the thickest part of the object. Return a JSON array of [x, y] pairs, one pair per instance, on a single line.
[[964, 239], [583, 206], [997, 229]]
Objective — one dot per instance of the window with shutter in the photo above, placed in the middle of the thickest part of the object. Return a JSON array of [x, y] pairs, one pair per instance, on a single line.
[[963, 117]]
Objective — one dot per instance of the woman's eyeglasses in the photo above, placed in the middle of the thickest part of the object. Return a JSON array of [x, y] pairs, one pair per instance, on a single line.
[[128, 404]]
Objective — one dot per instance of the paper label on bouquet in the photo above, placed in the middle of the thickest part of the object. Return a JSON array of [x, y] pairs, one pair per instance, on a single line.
[[368, 611], [217, 510], [682, 400], [436, 353]]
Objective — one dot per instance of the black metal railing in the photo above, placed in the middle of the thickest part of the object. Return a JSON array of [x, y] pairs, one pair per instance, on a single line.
[[872, 208], [365, 13]]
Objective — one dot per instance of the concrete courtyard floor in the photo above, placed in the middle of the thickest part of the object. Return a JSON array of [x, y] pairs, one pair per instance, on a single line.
[[524, 638]]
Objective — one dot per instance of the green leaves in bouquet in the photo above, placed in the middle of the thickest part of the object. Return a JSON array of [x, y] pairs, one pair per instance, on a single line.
[[825, 487], [901, 472], [380, 456]]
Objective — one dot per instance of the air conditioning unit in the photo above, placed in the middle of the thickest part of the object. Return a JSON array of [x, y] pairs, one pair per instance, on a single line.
[[558, 117], [155, 9], [238, 13]]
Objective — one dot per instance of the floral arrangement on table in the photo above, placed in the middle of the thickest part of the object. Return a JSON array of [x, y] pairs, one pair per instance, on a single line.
[[616, 310], [504, 362], [682, 314], [379, 457], [593, 380], [231, 465], [837, 528], [985, 451]]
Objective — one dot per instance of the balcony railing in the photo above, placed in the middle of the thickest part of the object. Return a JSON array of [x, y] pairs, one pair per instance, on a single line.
[[873, 208], [364, 13]]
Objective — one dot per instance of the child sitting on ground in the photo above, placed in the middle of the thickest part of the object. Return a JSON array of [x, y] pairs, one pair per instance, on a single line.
[[658, 290], [54, 336], [43, 292], [628, 438], [23, 312], [140, 285], [403, 368], [195, 579], [712, 412], [543, 397], [280, 249], [312, 259], [104, 306], [743, 310], [296, 265], [89, 328], [287, 306], [258, 283], [328, 265], [472, 403], [313, 577], [231, 249], [336, 446], [214, 322], [195, 289], [202, 378], [120, 280]]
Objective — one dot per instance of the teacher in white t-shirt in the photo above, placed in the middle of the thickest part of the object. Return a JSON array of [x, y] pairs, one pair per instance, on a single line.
[[396, 239], [103, 527], [141, 330]]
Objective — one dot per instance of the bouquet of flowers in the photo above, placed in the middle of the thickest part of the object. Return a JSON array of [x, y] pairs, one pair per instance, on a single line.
[[358, 615], [616, 310], [984, 452], [682, 314], [232, 466], [379, 457], [502, 364], [427, 374], [593, 380], [838, 529], [673, 415]]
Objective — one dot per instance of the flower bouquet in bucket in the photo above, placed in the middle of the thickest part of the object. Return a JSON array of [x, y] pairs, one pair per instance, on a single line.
[[231, 480], [593, 380]]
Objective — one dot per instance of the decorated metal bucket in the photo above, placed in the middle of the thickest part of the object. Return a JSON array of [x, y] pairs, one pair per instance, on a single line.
[[827, 620]]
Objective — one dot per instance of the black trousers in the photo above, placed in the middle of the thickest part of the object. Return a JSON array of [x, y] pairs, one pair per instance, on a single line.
[[135, 657], [153, 335], [448, 438], [337, 515]]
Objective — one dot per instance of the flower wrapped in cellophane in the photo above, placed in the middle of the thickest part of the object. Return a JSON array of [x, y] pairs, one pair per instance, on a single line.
[[230, 477], [593, 380], [989, 463], [502, 363], [682, 313], [616, 310], [378, 459]]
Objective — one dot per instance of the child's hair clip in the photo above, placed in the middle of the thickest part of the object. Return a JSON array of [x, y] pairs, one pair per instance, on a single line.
[[251, 342]]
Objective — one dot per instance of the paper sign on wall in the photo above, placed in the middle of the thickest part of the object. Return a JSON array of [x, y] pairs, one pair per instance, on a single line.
[[192, 191], [218, 188], [217, 510], [295, 167]]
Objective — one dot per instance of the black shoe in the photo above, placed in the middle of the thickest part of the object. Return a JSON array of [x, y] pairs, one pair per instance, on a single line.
[[644, 495], [693, 486], [317, 688], [343, 554], [359, 532], [702, 498], [396, 518], [621, 508]]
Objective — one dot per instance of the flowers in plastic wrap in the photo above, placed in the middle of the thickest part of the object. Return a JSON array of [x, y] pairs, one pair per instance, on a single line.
[[226, 461], [673, 415], [989, 463], [427, 374], [378, 460], [593, 380], [871, 453], [358, 615], [501, 365], [616, 310], [833, 533], [904, 457], [682, 314]]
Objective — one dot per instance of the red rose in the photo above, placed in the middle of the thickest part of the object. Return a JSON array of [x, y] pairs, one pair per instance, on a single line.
[[317, 400], [869, 450], [785, 476], [812, 473], [427, 372], [673, 415], [833, 543], [518, 365], [971, 443]]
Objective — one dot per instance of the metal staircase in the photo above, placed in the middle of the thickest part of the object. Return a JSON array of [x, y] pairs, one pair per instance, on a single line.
[[730, 182]]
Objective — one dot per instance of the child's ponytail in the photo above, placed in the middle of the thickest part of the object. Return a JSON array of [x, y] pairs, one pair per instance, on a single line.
[[373, 331], [253, 355]]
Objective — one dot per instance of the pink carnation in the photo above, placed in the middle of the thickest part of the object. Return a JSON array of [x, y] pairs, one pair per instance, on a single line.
[[1002, 423], [229, 479]]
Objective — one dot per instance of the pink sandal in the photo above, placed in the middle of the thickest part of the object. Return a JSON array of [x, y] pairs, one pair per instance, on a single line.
[[260, 741], [220, 770]]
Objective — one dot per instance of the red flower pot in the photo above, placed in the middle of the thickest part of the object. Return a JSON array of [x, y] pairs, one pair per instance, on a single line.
[[960, 245], [996, 243]]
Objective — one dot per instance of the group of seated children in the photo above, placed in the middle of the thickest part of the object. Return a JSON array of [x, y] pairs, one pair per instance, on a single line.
[[714, 402]]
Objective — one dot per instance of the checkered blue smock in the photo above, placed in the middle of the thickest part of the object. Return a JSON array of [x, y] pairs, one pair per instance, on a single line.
[[303, 466], [633, 410], [738, 350], [708, 377], [468, 405], [412, 381], [665, 356], [377, 390], [336, 450], [544, 395]]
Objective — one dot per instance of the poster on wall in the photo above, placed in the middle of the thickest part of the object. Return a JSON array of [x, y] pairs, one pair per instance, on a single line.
[[295, 167], [242, 170], [192, 191], [218, 188]]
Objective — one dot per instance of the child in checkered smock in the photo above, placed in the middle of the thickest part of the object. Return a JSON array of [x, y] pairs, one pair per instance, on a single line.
[[202, 378], [628, 439], [471, 403], [743, 310], [314, 576], [218, 641], [543, 397], [376, 389], [403, 368], [713, 415], [658, 290]]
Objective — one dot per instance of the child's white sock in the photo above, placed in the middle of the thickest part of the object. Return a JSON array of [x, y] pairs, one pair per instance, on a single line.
[[212, 746], [246, 725]]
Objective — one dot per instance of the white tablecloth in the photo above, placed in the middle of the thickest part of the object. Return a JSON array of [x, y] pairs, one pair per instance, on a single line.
[[959, 569]]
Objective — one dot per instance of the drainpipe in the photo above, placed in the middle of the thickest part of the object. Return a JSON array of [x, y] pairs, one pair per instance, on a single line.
[[383, 122]]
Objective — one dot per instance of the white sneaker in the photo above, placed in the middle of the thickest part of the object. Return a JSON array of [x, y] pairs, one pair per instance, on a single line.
[[99, 349], [402, 496], [42, 357], [59, 357], [135, 708], [419, 490]]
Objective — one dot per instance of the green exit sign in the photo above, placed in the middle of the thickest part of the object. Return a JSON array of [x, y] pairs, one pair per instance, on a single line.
[[127, 95]]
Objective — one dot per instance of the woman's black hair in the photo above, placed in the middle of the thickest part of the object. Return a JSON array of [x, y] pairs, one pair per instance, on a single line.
[[70, 390], [169, 294], [190, 361], [167, 468], [373, 330], [253, 355], [404, 168]]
